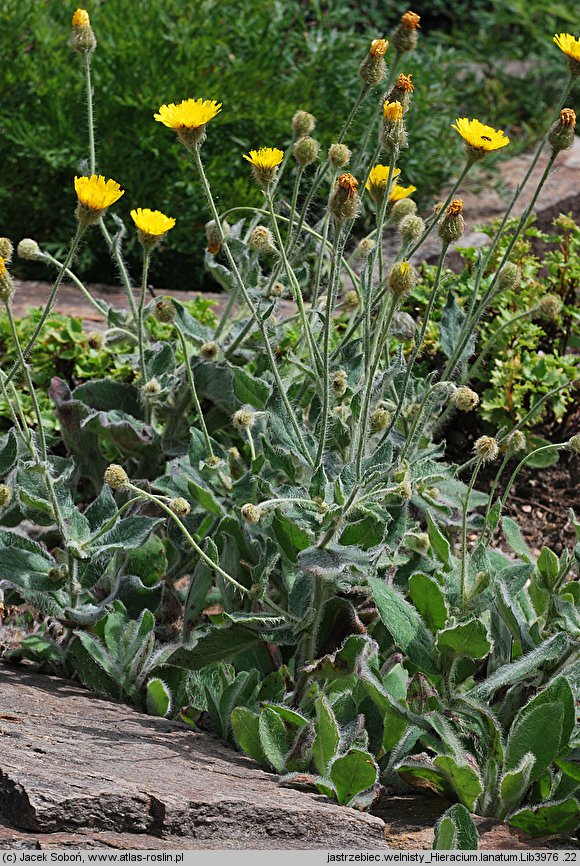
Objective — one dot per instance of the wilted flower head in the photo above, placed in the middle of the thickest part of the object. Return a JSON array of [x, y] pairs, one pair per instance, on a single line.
[[251, 513], [95, 195], [265, 162], [303, 123], [96, 340], [163, 310], [486, 448], [465, 399], [561, 135], [116, 477], [262, 240], [180, 506], [152, 226], [5, 495], [151, 388], [29, 249], [214, 236], [209, 351], [339, 383], [373, 68], [570, 45], [405, 36], [479, 138], [404, 490], [189, 118], [401, 91], [339, 155], [6, 249], [516, 441], [351, 300], [452, 226], [243, 419], [380, 420], [345, 202]]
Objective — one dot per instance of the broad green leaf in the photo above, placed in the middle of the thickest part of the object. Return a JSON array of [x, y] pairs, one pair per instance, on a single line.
[[464, 779], [538, 731], [291, 537], [438, 541], [204, 497], [514, 672], [273, 740], [548, 565], [515, 539], [215, 646], [559, 691], [515, 783], [353, 773], [405, 625], [8, 452], [550, 819], [327, 736], [467, 639], [249, 388], [128, 534], [245, 727], [455, 831], [159, 699], [241, 692], [424, 775], [288, 715], [429, 599]]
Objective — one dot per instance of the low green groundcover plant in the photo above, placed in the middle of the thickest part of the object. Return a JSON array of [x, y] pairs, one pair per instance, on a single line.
[[280, 545]]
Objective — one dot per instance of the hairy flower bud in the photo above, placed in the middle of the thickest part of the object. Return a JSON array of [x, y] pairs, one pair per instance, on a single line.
[[116, 477], [403, 326], [380, 420], [339, 155], [401, 279], [262, 240], [345, 201], [214, 236], [29, 249], [6, 249], [402, 208], [6, 284], [405, 36], [96, 340], [303, 123], [164, 310], [5, 495], [209, 351], [549, 307], [561, 135], [486, 449], [404, 490], [83, 39], [243, 419], [452, 226], [573, 443], [251, 513], [373, 69], [339, 383], [351, 300], [277, 290], [411, 228], [364, 248], [180, 506], [306, 151], [465, 399], [509, 277], [151, 388], [394, 134], [401, 92], [516, 441]]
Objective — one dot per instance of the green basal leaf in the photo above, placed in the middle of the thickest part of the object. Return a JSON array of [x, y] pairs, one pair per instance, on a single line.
[[405, 625], [353, 773], [455, 831], [467, 639]]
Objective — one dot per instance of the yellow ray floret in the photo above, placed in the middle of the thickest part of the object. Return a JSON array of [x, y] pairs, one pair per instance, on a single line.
[[189, 114], [480, 136], [81, 18], [399, 192], [266, 158], [2, 266], [152, 222], [393, 111], [97, 194], [569, 44], [379, 176]]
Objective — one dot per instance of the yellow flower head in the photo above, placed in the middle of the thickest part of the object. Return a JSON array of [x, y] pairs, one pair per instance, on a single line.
[[479, 138], [456, 207], [569, 44], [568, 117], [410, 20], [404, 83], [400, 192], [379, 176], [151, 223], [189, 118], [95, 195], [2, 266], [379, 47], [393, 111], [81, 18], [265, 162]]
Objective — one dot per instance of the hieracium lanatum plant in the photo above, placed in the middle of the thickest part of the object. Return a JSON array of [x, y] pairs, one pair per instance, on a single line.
[[258, 529]]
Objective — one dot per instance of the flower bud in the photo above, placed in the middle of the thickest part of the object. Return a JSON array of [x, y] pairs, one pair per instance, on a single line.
[[262, 240], [306, 151], [302, 123], [339, 155], [29, 249], [151, 388], [180, 506], [465, 399], [515, 442], [251, 513], [380, 420], [401, 279], [561, 135], [404, 490], [342, 412], [452, 226], [57, 574], [351, 300], [402, 208], [405, 36], [345, 201], [339, 383], [243, 419], [509, 277], [364, 248], [373, 69], [403, 326], [163, 310], [6, 284], [214, 237], [82, 39], [277, 290], [116, 477], [6, 249], [573, 444], [394, 134], [486, 448], [5, 495], [411, 228], [401, 92], [418, 541], [96, 340], [209, 351], [549, 307]]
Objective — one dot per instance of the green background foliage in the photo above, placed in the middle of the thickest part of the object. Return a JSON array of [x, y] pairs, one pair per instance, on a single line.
[[263, 60]]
